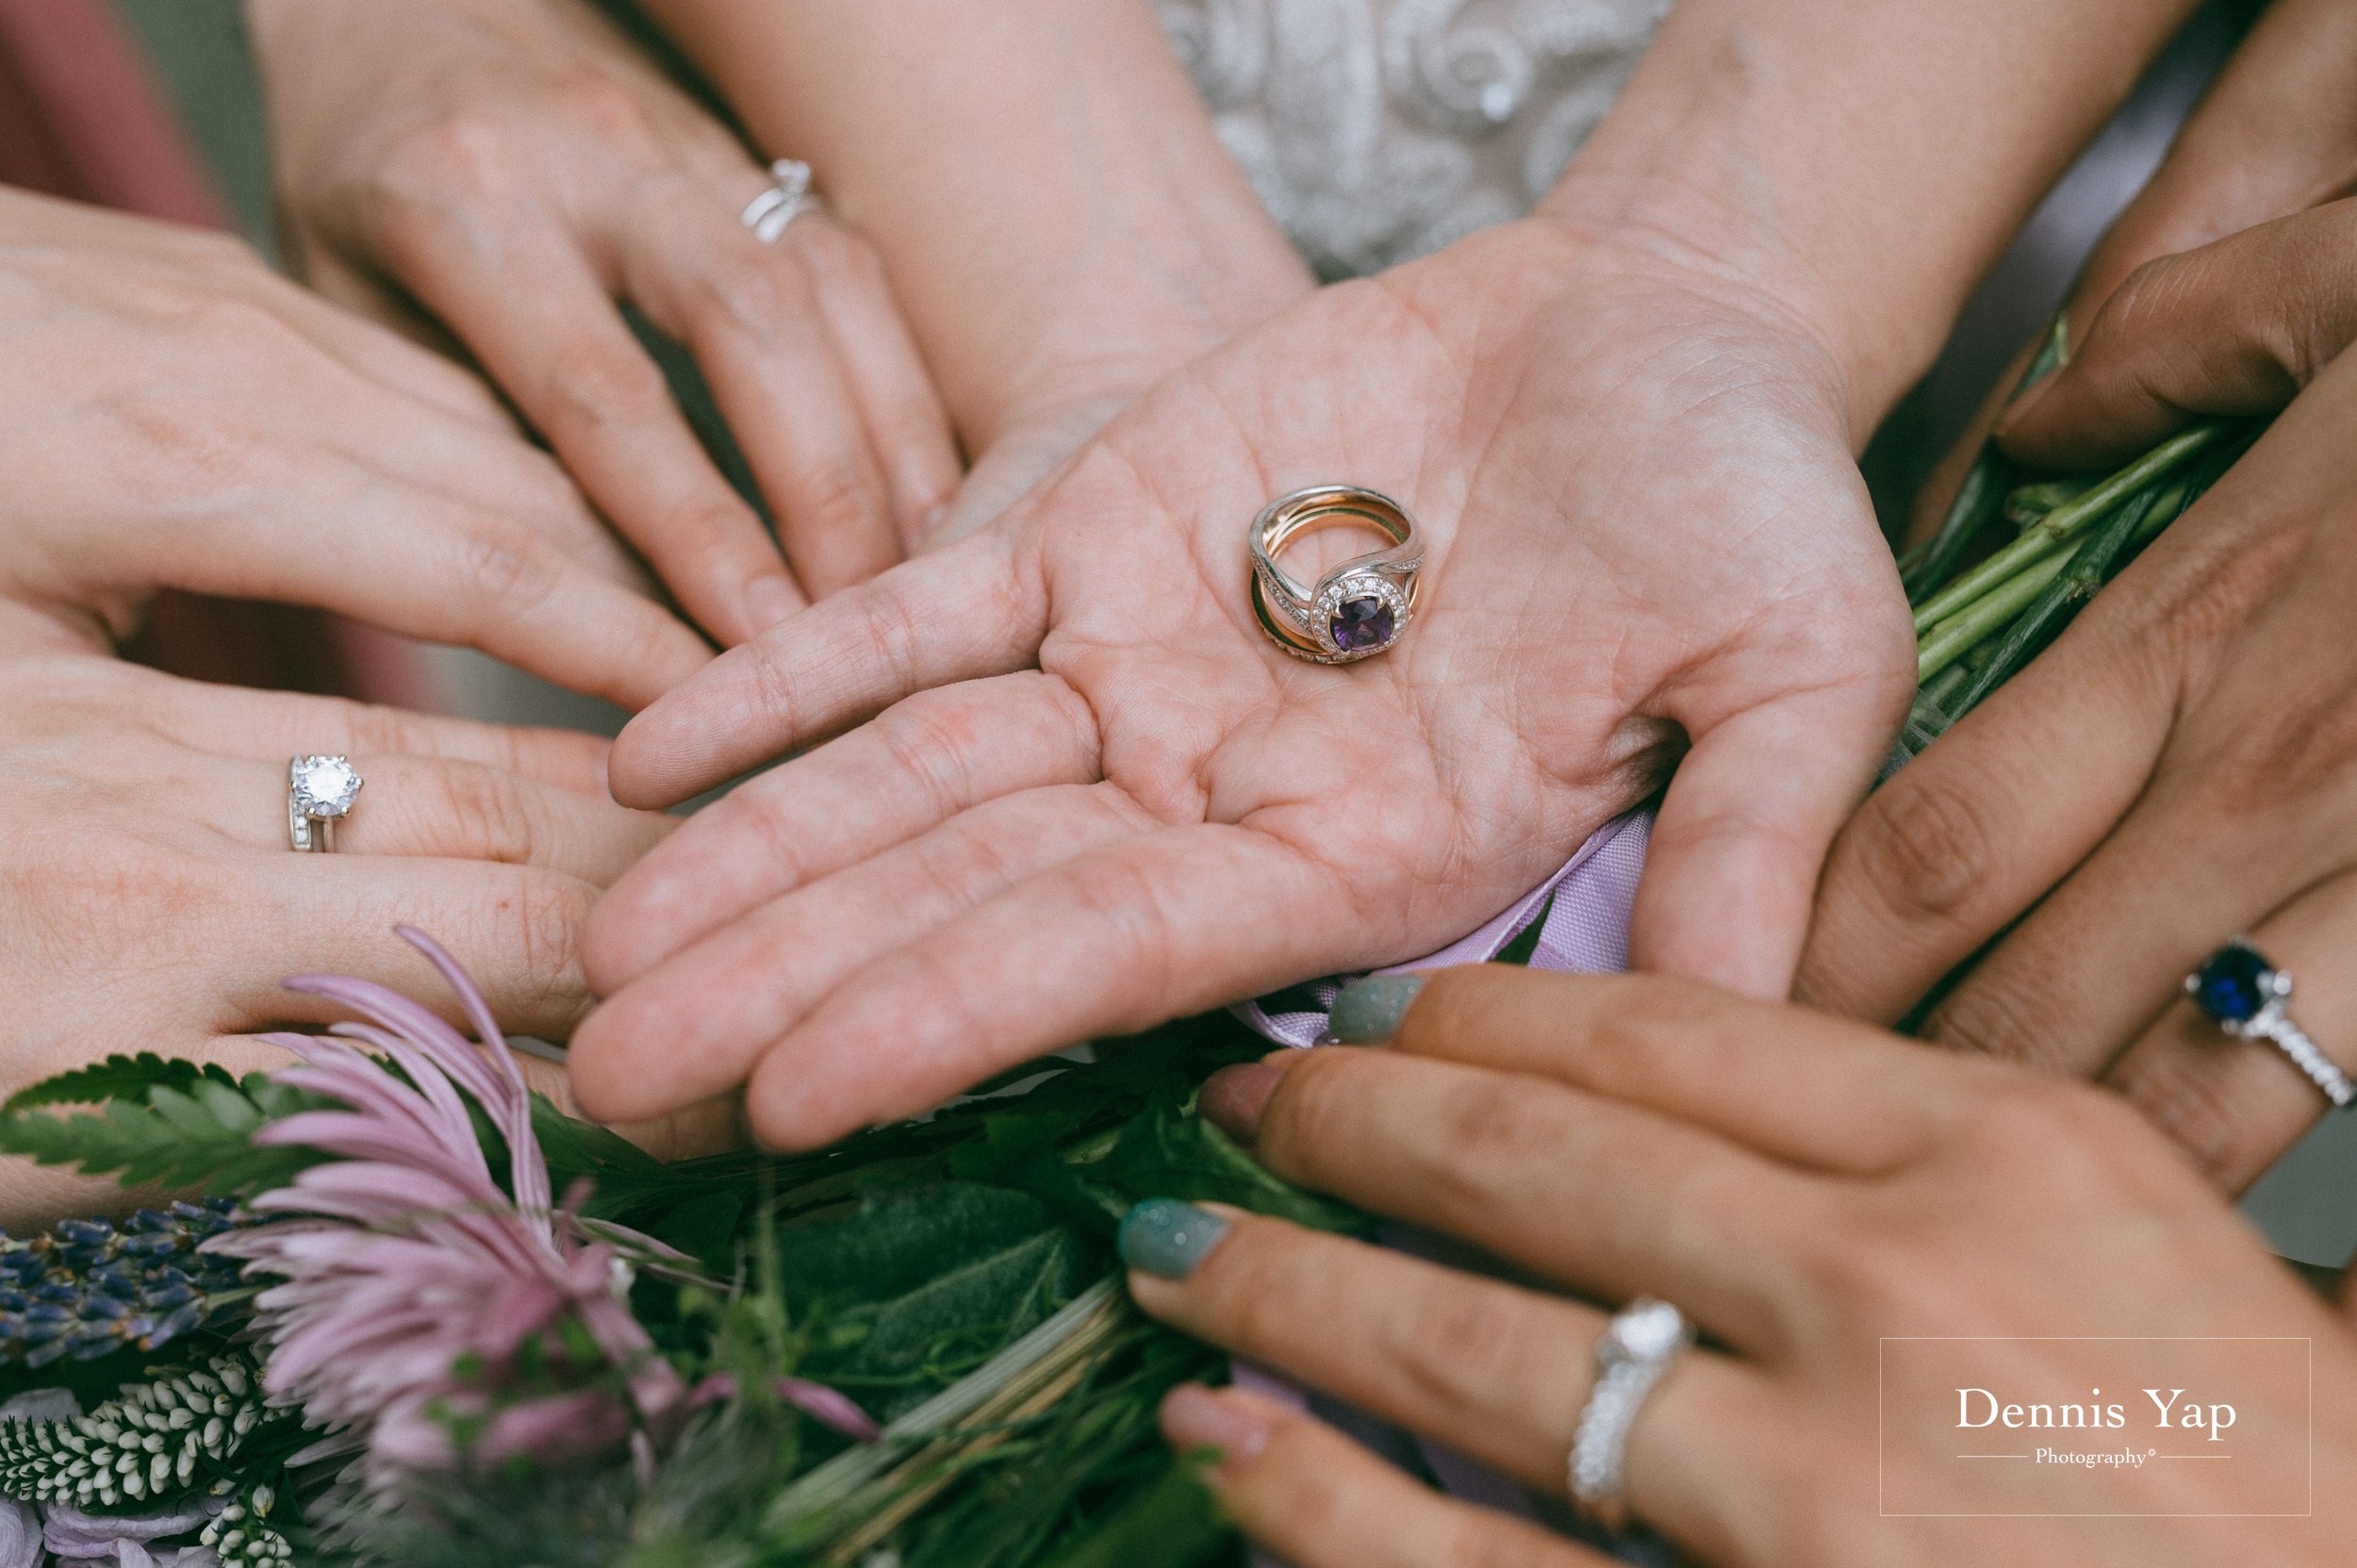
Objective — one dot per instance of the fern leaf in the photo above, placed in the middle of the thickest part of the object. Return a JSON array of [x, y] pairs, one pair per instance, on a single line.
[[117, 1078]]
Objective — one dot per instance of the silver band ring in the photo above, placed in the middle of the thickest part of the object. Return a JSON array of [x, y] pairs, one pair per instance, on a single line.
[[1355, 610], [2249, 998], [321, 790], [1639, 1346], [788, 195]]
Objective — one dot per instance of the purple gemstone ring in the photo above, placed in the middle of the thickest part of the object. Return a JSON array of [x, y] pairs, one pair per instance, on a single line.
[[1355, 610]]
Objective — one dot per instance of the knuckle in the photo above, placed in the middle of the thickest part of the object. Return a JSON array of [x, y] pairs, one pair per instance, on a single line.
[[508, 570], [1924, 845], [490, 811], [538, 925], [2004, 1017], [601, 384], [834, 498], [1465, 1343], [1499, 1129], [462, 155], [750, 292], [609, 109], [2229, 1134]]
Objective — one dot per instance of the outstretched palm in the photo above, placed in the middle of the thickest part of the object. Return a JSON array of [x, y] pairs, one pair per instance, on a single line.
[[1100, 797]]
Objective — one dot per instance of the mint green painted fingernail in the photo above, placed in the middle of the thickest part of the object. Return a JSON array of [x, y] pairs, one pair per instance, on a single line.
[[1164, 1236], [1368, 1011]]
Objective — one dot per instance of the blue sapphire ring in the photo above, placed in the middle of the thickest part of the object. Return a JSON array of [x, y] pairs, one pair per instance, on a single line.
[[2249, 997], [1357, 610]]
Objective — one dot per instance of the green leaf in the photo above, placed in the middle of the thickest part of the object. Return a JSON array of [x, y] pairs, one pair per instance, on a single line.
[[916, 1286], [117, 1078], [192, 1130], [1172, 1152], [1172, 1524]]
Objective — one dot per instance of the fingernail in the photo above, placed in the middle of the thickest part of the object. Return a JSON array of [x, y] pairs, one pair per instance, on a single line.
[[605, 779], [1166, 1237], [1233, 1097], [1194, 1417], [1368, 1011], [770, 600]]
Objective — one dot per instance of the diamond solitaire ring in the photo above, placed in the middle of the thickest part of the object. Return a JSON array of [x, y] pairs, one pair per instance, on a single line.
[[1639, 1346], [788, 194], [319, 789], [2249, 997], [1358, 609]]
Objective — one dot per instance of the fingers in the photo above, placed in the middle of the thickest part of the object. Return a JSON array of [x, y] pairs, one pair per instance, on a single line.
[[515, 928], [1494, 1371], [1742, 833], [755, 318], [2255, 149], [234, 721], [2233, 328], [1318, 1500], [1960, 841], [955, 614], [455, 811], [449, 570], [546, 329], [2236, 1105], [706, 1013], [1613, 1200], [1802, 1088], [904, 414], [917, 765], [1153, 928]]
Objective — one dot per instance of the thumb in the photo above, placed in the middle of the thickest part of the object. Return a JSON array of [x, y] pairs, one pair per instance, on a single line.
[[2236, 328], [1732, 869]]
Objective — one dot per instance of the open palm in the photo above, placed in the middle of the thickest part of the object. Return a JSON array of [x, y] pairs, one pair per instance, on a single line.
[[1094, 796]]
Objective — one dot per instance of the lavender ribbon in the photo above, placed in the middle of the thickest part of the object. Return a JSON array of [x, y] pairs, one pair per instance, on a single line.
[[1582, 912]]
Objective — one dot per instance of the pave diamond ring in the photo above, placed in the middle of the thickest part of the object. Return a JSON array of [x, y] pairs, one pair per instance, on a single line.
[[1355, 610], [788, 196], [2249, 997], [319, 790], [1638, 1346]]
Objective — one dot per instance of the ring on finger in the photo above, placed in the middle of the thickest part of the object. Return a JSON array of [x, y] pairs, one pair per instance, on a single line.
[[321, 791], [2249, 998], [1355, 611], [1639, 1346], [788, 197]]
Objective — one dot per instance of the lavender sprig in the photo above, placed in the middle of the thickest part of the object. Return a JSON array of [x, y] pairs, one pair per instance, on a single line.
[[90, 1287]]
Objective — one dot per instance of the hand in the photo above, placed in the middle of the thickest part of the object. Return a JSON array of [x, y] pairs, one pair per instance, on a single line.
[[152, 903], [2202, 700], [177, 416], [1645, 527], [1802, 1187], [513, 168]]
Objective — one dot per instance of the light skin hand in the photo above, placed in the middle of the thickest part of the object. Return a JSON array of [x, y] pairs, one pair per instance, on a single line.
[[2200, 699], [503, 171], [178, 416], [1801, 1186], [1628, 427], [146, 816], [1048, 194]]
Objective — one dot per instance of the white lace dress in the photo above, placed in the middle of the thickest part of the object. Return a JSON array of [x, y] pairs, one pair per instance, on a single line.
[[1376, 131]]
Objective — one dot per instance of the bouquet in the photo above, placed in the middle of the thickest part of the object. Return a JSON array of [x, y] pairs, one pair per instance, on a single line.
[[419, 1316]]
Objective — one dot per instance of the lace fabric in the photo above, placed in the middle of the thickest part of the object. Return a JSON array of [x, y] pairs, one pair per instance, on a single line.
[[1377, 131]]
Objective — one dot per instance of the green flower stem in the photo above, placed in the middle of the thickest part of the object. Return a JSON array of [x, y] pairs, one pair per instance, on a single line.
[[1987, 615], [2065, 523], [1984, 485]]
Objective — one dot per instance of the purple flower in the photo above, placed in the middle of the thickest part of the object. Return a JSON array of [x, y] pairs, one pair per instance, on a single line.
[[410, 1281]]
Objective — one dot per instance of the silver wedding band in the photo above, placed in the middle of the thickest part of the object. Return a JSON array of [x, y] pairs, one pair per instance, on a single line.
[[322, 789], [1639, 1346], [788, 196]]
